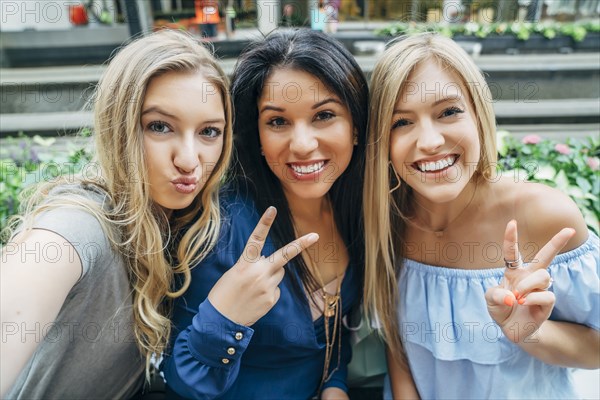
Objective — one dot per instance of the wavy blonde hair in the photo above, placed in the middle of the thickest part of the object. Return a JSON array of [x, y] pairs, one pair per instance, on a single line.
[[384, 212], [135, 227]]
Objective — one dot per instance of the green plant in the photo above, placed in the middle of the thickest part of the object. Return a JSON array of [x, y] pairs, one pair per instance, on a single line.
[[521, 30], [573, 167], [25, 161]]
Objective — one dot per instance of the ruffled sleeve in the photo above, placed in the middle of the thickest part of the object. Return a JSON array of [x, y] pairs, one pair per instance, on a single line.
[[576, 285]]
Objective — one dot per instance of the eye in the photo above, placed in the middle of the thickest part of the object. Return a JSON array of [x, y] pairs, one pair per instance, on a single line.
[[324, 116], [159, 127], [400, 123], [449, 112], [211, 132], [276, 122]]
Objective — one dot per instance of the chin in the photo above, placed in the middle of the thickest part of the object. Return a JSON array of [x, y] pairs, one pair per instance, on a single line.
[[175, 204], [309, 192], [440, 194]]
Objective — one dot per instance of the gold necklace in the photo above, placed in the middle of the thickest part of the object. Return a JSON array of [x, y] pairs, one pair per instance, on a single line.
[[332, 308], [440, 232]]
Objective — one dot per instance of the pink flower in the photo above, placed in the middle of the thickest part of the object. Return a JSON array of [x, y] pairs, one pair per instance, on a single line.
[[562, 148], [593, 163], [531, 139]]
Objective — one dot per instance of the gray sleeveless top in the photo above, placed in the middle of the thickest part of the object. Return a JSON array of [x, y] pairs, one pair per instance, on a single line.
[[89, 351]]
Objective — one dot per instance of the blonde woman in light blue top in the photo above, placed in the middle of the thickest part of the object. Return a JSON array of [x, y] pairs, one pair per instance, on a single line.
[[469, 308]]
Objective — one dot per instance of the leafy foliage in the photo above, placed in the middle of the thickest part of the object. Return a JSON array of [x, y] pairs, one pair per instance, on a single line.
[[24, 161], [573, 167], [521, 30]]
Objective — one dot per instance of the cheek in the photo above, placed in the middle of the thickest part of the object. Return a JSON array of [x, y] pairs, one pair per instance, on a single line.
[[209, 157], [152, 158], [397, 150], [269, 147]]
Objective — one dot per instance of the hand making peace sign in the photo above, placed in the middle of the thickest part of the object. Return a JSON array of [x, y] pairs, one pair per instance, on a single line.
[[522, 302], [249, 289]]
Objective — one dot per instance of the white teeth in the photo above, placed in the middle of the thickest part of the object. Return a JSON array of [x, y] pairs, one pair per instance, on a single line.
[[307, 169], [432, 166]]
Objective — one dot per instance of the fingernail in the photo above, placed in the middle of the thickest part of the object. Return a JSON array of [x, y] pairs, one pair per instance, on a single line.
[[271, 211], [521, 301], [313, 236], [508, 300]]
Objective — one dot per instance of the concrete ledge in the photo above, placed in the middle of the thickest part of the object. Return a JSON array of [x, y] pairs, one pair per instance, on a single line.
[[488, 63], [66, 122], [549, 108]]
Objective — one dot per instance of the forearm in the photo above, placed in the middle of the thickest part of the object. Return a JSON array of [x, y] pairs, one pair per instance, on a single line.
[[206, 357], [565, 344], [401, 382]]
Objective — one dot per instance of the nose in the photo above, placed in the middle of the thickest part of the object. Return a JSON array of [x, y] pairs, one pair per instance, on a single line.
[[303, 141], [430, 137], [185, 156]]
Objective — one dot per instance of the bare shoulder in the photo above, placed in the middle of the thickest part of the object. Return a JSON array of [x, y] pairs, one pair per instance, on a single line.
[[545, 211], [42, 251]]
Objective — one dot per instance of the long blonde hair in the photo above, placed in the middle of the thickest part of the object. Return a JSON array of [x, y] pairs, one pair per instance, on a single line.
[[136, 228], [384, 211]]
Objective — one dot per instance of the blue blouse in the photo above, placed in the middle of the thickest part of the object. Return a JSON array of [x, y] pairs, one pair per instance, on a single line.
[[456, 351], [280, 357]]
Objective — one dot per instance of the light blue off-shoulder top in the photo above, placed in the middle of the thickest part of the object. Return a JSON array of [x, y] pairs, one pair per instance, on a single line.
[[456, 351]]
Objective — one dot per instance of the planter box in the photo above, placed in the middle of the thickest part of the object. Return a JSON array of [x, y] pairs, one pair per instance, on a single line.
[[74, 46], [535, 44]]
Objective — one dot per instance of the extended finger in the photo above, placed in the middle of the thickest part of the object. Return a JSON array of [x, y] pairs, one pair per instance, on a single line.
[[255, 243], [511, 246], [544, 257], [292, 249], [537, 280]]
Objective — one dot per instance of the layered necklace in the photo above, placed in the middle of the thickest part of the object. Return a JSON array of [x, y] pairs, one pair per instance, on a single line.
[[332, 313]]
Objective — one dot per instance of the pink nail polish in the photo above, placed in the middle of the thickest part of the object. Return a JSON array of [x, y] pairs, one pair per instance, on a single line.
[[508, 300]]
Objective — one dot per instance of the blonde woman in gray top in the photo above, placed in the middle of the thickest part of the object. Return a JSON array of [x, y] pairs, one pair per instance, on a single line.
[[90, 262]]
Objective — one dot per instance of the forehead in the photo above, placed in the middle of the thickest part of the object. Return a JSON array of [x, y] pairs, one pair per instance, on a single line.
[[292, 85], [431, 80], [192, 82]]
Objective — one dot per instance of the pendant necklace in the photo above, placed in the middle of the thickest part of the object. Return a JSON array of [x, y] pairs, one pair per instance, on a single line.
[[332, 313]]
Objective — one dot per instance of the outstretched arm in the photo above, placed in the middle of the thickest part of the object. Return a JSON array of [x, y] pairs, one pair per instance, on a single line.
[[34, 285]]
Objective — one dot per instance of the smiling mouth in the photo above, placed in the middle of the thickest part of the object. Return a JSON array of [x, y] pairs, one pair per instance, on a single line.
[[307, 169], [436, 166]]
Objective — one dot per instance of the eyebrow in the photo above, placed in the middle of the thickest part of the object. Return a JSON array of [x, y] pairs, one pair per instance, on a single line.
[[442, 100], [313, 107], [328, 100], [158, 110]]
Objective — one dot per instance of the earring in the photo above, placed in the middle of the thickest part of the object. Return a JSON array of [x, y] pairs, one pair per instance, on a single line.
[[396, 175], [355, 141], [262, 152]]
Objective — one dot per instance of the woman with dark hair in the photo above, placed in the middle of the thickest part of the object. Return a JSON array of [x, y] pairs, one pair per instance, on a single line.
[[300, 126]]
